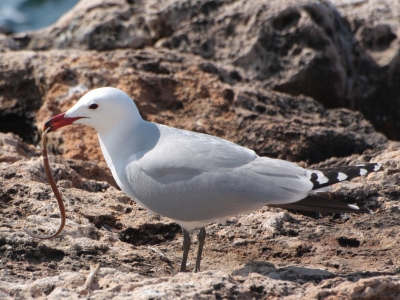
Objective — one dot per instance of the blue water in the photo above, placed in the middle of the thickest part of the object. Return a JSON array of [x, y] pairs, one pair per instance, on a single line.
[[22, 15]]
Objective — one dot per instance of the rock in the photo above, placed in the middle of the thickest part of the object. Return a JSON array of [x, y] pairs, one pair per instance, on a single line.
[[266, 253], [273, 124], [279, 77], [376, 27], [343, 56], [12, 149], [374, 288], [20, 98]]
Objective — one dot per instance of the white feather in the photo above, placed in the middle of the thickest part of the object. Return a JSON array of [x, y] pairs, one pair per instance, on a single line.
[[189, 177], [341, 176]]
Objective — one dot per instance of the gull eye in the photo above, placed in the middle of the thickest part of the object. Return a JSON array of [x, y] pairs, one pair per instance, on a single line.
[[93, 106]]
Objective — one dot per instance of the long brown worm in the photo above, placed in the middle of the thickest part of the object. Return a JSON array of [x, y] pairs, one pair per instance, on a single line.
[[55, 191]]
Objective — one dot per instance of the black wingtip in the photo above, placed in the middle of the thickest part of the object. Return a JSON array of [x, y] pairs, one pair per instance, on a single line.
[[325, 177], [316, 203]]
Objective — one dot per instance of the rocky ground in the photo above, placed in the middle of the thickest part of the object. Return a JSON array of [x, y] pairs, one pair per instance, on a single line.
[[306, 81]]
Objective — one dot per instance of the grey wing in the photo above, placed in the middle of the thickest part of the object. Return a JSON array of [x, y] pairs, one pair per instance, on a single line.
[[197, 180], [186, 151]]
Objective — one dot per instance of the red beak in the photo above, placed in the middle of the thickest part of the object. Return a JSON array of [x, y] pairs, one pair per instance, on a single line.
[[59, 121]]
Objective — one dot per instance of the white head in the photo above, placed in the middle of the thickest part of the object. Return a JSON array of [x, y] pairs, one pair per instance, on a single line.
[[103, 109]]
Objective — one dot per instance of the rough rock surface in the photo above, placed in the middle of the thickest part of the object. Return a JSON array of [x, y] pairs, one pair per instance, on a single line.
[[179, 90], [342, 53], [268, 253], [278, 77]]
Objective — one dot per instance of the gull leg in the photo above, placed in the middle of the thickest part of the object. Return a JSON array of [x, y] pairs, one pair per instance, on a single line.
[[186, 248], [201, 238]]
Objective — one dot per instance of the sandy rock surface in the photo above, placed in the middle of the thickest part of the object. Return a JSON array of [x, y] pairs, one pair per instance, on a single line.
[[267, 253], [307, 81]]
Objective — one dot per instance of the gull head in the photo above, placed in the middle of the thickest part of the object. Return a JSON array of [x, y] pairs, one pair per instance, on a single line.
[[103, 109]]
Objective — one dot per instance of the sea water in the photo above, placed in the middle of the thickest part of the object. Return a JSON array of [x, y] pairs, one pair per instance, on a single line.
[[22, 15]]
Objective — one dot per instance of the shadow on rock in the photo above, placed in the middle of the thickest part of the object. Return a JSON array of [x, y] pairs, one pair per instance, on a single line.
[[291, 273]]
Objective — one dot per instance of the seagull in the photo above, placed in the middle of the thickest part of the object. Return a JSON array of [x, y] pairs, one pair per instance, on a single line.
[[194, 178]]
